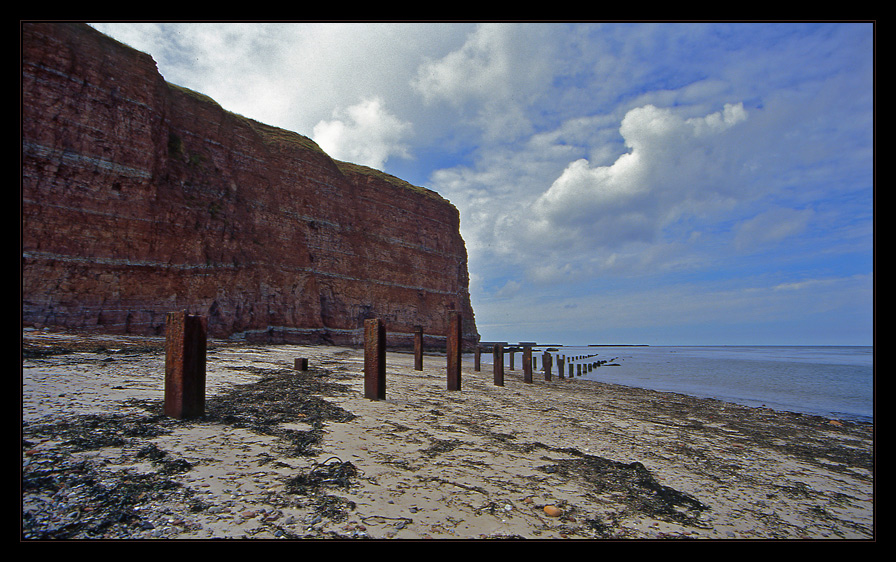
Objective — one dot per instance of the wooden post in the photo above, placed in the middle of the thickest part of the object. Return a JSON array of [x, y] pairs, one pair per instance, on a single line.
[[374, 359], [418, 348], [498, 360], [527, 364], [455, 323], [185, 347], [301, 364], [548, 363], [476, 356], [511, 352], [560, 360]]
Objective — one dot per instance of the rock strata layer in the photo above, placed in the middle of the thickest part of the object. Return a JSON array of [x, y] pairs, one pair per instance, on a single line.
[[140, 197]]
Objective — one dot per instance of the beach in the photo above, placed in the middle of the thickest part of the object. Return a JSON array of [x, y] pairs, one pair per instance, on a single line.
[[286, 454]]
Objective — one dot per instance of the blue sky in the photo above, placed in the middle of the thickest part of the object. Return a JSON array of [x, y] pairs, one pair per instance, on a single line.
[[657, 183]]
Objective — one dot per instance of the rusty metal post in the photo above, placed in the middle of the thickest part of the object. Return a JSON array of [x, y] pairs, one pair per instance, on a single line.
[[498, 360], [418, 348], [185, 347], [548, 363], [527, 364], [374, 359], [455, 333]]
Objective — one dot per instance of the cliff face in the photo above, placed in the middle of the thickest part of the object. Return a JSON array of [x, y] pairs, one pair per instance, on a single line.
[[140, 197]]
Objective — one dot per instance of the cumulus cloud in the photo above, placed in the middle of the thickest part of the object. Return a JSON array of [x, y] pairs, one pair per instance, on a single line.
[[576, 152], [490, 79], [675, 167], [365, 133], [481, 69], [671, 159]]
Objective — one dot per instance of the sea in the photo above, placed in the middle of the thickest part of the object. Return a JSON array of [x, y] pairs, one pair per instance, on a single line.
[[832, 381]]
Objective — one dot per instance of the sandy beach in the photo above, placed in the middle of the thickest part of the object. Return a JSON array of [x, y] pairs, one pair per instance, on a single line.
[[286, 454]]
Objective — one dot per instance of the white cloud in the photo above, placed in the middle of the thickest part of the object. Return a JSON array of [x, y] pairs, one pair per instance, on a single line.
[[771, 226], [492, 79], [509, 290], [479, 70], [676, 167], [293, 75], [365, 133], [577, 153]]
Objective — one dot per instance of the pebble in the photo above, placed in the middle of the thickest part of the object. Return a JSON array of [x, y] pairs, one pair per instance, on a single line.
[[552, 511]]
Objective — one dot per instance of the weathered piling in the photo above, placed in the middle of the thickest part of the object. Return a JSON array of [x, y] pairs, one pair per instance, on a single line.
[[498, 362], [560, 360], [418, 348], [455, 321], [476, 357], [301, 364], [527, 363], [374, 359], [185, 358], [548, 365]]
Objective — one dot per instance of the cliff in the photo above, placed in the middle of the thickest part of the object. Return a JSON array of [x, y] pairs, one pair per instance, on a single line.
[[140, 197]]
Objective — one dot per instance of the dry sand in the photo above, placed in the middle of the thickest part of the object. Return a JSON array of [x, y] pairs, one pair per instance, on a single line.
[[283, 454]]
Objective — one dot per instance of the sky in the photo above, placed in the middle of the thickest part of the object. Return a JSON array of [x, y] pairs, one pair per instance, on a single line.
[[639, 183]]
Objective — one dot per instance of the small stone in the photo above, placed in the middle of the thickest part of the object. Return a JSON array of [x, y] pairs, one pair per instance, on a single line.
[[552, 511]]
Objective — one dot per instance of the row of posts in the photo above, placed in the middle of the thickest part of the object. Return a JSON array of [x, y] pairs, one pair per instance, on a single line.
[[375, 355], [530, 362], [185, 357]]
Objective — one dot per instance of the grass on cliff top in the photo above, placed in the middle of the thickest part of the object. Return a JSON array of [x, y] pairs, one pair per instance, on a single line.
[[268, 133], [350, 168], [194, 94], [271, 134], [276, 134]]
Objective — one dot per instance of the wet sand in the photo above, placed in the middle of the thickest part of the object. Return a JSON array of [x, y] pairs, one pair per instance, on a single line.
[[283, 454]]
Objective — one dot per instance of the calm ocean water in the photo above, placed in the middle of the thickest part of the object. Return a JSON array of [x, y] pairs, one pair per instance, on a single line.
[[836, 382]]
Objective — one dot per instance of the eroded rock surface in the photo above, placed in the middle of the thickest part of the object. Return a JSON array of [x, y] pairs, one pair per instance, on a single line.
[[140, 197]]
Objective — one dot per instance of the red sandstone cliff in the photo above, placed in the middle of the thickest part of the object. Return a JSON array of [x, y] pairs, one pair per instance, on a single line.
[[140, 197]]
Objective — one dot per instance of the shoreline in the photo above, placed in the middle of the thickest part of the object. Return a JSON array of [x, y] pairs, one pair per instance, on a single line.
[[322, 462]]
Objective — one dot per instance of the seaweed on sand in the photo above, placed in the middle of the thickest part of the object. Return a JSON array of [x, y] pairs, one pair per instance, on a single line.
[[66, 496], [643, 493]]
